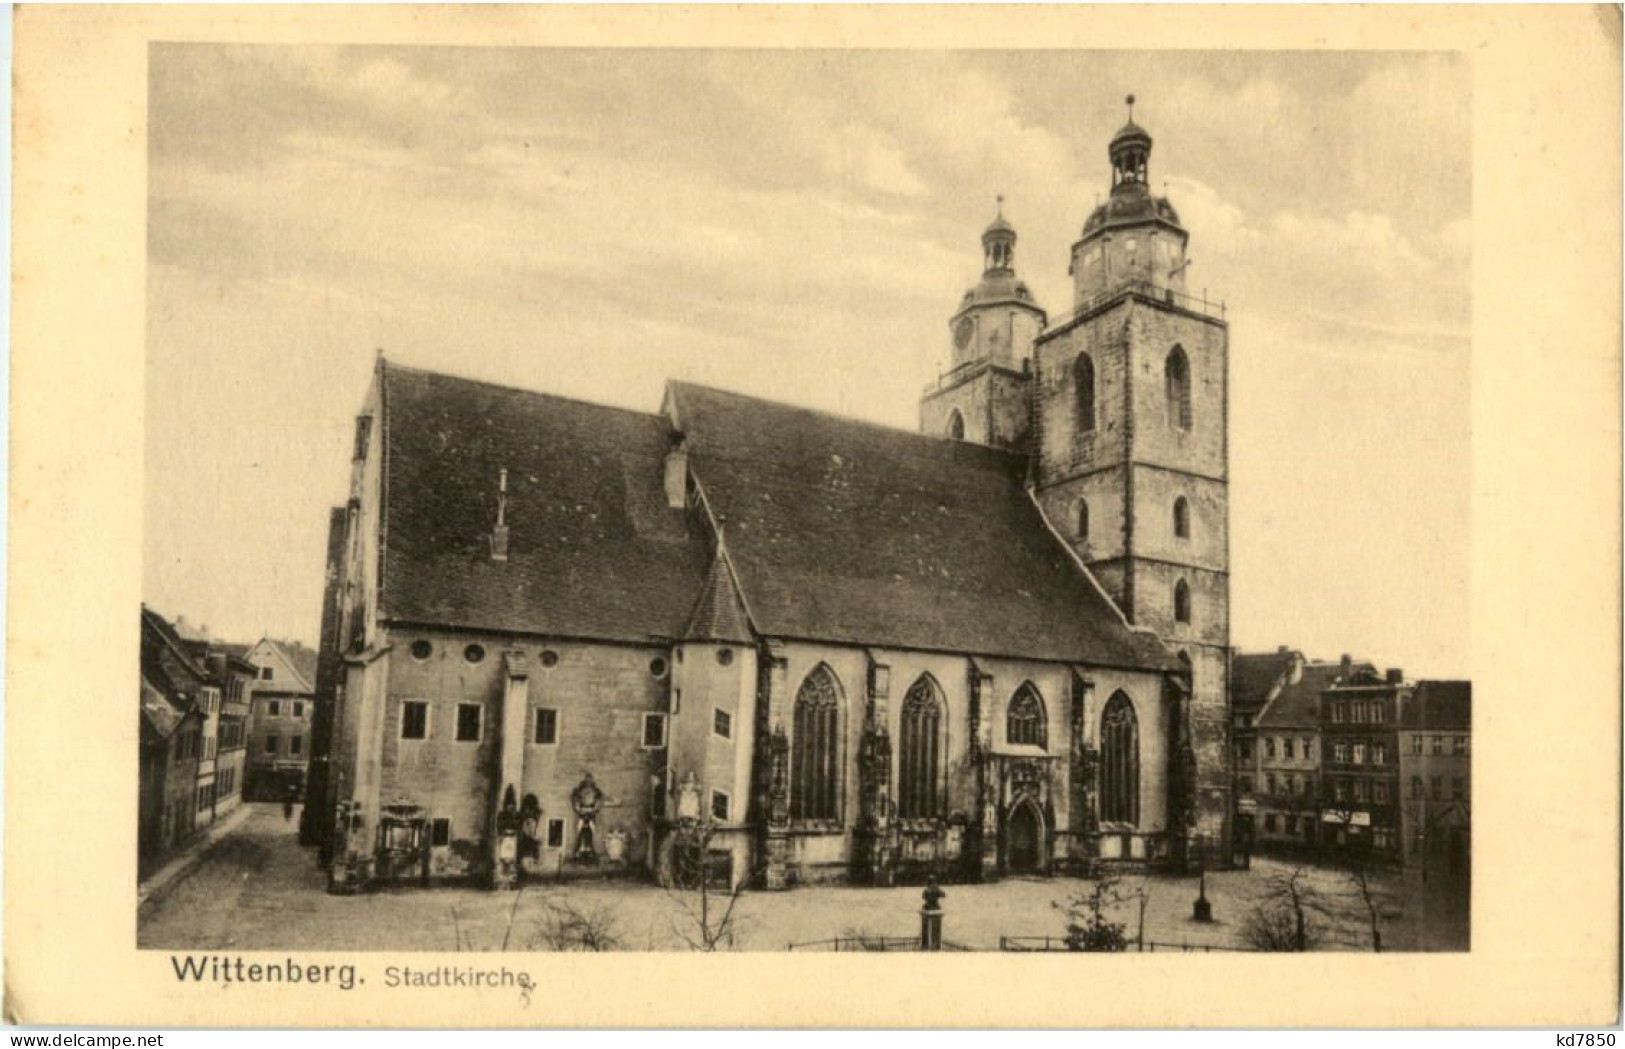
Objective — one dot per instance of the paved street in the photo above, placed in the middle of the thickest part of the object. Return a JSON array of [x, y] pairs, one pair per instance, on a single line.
[[257, 889]]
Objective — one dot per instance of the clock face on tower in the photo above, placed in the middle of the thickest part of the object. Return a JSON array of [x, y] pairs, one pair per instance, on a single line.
[[963, 331]]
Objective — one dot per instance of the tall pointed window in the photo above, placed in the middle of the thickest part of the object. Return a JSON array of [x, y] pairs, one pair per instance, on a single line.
[[1024, 722], [919, 753], [1119, 762], [1182, 602], [1083, 519], [956, 425], [1177, 376], [815, 748], [1182, 518], [1083, 388]]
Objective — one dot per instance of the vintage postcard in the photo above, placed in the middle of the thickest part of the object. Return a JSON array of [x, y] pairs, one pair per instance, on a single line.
[[787, 491]]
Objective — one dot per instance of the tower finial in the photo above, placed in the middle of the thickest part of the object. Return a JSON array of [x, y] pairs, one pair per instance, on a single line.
[[1000, 199], [1130, 101]]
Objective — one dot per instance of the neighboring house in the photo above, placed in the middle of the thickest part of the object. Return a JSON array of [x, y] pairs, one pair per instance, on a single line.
[[279, 741], [1359, 728], [1435, 774], [1255, 679], [170, 730], [557, 633], [1289, 759]]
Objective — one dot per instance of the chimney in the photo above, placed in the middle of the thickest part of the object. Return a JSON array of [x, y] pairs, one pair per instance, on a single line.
[[499, 533], [677, 472], [1283, 650], [1348, 666], [1396, 676]]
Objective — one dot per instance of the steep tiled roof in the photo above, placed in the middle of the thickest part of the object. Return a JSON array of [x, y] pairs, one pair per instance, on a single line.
[[302, 658], [1440, 706], [1254, 677], [719, 614], [1297, 705], [594, 551], [160, 714], [850, 532]]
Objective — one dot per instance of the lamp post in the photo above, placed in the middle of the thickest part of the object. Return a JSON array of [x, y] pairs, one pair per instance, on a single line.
[[1202, 909], [931, 916]]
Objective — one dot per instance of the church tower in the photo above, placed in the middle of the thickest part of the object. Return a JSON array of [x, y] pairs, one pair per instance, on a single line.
[[1132, 456], [984, 397]]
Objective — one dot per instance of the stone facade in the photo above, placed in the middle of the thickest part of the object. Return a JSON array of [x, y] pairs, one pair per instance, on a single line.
[[560, 640]]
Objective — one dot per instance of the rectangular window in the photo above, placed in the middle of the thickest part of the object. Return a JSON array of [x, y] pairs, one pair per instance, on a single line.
[[1269, 746], [1461, 746], [1379, 753], [1416, 744], [547, 726], [1458, 789], [1269, 783], [468, 722], [298, 709], [1379, 713], [1308, 748], [273, 708], [722, 723], [363, 432], [1340, 790], [1438, 788], [676, 701], [270, 743], [1359, 753], [1359, 790], [555, 834], [441, 833], [1438, 745], [415, 719], [1340, 752], [654, 730], [1416, 787], [1286, 747], [1269, 822], [267, 673], [720, 806], [1357, 712], [1246, 783], [1379, 793], [1338, 713], [296, 745]]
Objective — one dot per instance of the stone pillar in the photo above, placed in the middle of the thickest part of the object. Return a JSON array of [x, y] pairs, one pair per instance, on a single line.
[[982, 834], [931, 917], [510, 771], [873, 855], [775, 770]]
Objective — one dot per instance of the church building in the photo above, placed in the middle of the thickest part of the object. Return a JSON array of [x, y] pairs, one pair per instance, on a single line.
[[562, 639]]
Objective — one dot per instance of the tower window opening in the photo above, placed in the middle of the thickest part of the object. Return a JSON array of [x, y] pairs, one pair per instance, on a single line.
[[1083, 519], [1182, 602], [956, 425], [1177, 375], [1182, 518], [1083, 380]]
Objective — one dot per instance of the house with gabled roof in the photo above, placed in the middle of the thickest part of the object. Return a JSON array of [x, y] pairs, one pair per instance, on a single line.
[[570, 636], [279, 726]]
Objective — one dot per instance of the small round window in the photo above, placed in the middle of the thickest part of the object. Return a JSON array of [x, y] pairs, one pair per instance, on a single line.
[[657, 667], [474, 653], [550, 658], [725, 656], [422, 650]]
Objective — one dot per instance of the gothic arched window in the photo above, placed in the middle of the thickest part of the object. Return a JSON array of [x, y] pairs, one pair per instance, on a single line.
[[1083, 519], [1025, 722], [1119, 762], [1182, 518], [1177, 373], [956, 425], [919, 753], [1182, 602], [1083, 388], [815, 749]]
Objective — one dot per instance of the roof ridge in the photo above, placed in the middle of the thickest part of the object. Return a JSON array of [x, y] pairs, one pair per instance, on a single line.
[[850, 420], [390, 366]]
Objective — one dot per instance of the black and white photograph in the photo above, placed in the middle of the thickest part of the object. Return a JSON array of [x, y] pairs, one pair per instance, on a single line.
[[815, 517], [826, 500]]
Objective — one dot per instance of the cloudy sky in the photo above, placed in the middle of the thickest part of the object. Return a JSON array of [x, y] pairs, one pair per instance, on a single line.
[[799, 225]]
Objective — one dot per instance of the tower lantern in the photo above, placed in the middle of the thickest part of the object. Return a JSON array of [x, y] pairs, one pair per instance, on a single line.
[[1130, 152]]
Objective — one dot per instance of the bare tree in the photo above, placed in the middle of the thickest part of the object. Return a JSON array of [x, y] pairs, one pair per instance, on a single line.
[[707, 918], [1279, 921], [567, 927]]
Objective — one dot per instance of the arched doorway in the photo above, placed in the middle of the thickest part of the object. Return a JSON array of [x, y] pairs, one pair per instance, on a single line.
[[1024, 839]]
